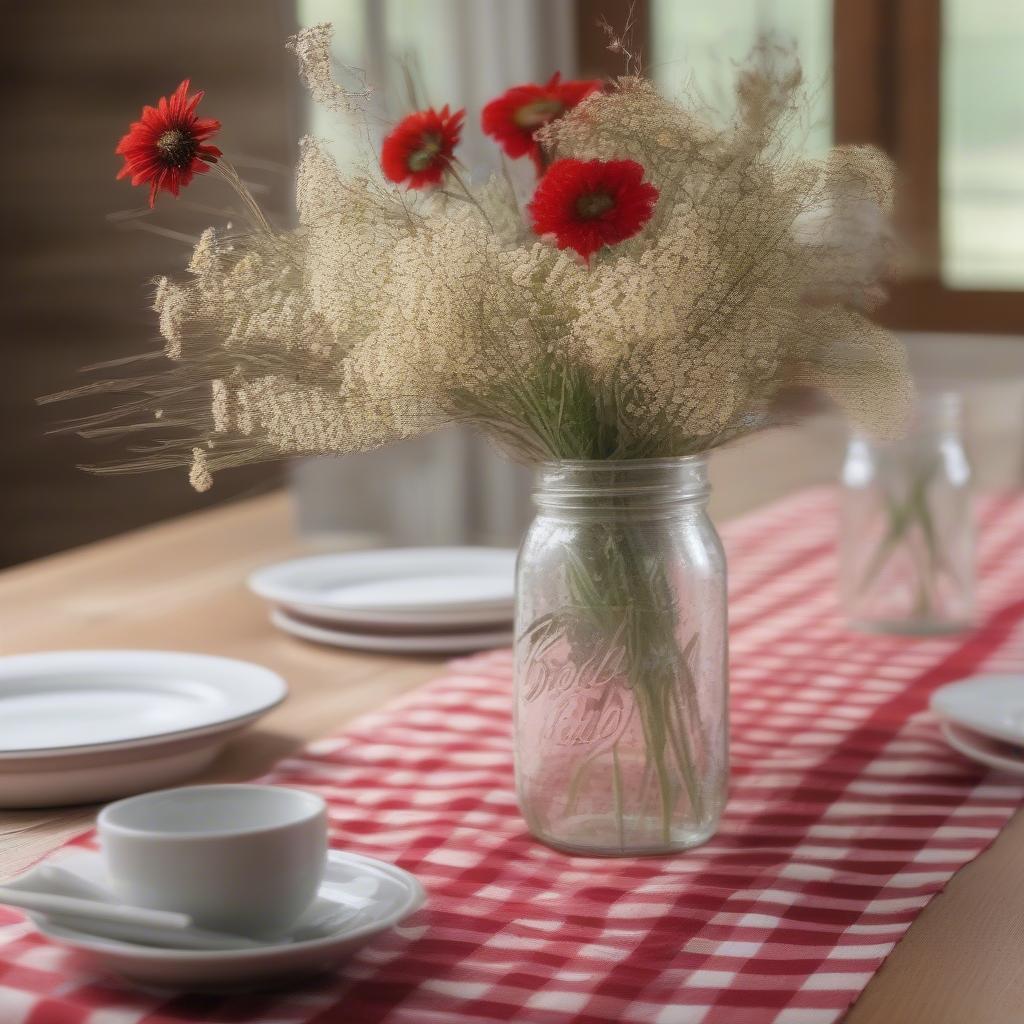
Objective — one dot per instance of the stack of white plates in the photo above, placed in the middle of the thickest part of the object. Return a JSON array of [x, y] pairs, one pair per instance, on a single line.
[[402, 600], [983, 718], [81, 726]]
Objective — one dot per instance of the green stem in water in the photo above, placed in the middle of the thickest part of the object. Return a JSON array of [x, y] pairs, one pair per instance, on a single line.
[[929, 561], [620, 597], [902, 516], [656, 754], [675, 716], [661, 638]]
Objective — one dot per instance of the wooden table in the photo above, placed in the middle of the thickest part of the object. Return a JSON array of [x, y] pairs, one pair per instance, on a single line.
[[180, 586]]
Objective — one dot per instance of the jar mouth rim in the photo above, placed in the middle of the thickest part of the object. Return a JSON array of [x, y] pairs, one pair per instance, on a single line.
[[633, 487], [618, 465]]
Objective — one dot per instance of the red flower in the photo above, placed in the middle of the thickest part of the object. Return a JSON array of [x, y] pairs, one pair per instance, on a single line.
[[167, 145], [420, 147], [588, 204], [516, 114]]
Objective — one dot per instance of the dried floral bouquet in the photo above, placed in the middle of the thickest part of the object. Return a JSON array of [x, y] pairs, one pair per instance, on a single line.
[[669, 274]]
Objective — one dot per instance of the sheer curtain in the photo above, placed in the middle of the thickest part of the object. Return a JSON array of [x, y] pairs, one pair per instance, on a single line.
[[450, 487]]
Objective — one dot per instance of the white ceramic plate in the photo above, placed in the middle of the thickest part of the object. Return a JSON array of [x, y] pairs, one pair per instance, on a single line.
[[396, 894], [411, 587], [82, 726], [990, 704], [392, 643], [984, 749]]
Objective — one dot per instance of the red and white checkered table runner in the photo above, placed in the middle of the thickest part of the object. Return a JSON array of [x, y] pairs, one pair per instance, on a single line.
[[847, 814]]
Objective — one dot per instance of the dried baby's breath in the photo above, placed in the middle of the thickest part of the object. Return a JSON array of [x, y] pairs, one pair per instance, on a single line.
[[386, 314], [312, 46]]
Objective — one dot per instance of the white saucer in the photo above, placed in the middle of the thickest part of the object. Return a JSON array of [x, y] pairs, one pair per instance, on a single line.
[[984, 749], [989, 704], [83, 726], [396, 894], [408, 587], [392, 643]]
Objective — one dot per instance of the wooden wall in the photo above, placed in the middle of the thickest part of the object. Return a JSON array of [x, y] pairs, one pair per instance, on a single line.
[[73, 287]]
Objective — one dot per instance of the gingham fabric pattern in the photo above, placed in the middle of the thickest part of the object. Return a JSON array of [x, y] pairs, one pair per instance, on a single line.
[[847, 814]]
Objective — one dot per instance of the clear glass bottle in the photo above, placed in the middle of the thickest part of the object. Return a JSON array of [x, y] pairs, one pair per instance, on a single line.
[[621, 707], [907, 538]]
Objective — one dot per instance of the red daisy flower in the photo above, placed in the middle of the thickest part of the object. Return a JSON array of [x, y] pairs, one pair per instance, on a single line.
[[419, 149], [586, 204], [168, 144], [517, 113]]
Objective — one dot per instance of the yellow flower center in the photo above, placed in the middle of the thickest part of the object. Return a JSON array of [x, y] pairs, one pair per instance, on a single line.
[[538, 113], [420, 159]]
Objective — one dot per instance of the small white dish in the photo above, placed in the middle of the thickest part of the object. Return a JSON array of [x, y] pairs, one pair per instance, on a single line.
[[408, 587], [242, 859], [341, 920], [984, 749], [989, 704], [392, 643], [84, 726]]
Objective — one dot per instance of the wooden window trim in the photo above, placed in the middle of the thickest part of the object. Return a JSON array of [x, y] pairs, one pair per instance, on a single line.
[[887, 92]]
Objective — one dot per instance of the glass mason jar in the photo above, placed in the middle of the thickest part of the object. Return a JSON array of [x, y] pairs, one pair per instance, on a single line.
[[621, 704], [907, 538]]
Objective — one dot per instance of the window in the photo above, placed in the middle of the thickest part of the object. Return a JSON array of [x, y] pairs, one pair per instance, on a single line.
[[939, 84], [981, 144]]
